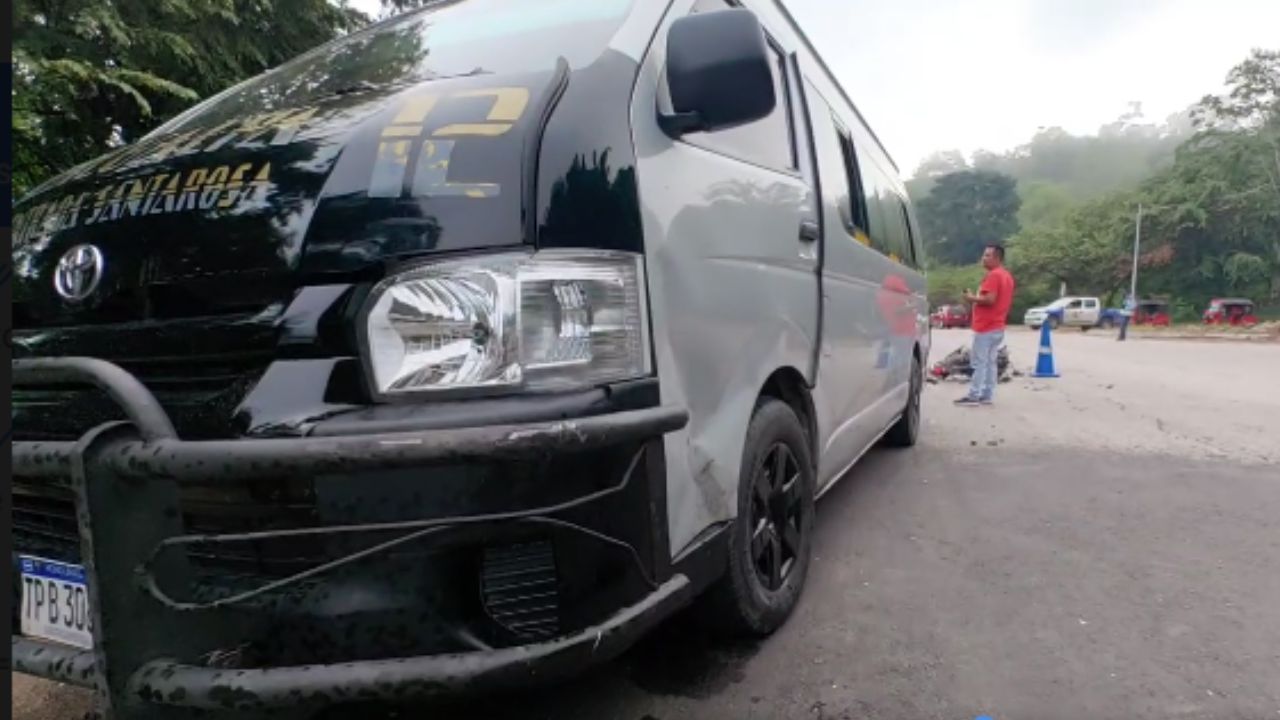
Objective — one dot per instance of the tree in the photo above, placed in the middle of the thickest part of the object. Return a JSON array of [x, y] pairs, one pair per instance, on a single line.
[[1212, 218], [942, 163], [1043, 204], [1226, 184], [1087, 249], [965, 211], [90, 75], [947, 284]]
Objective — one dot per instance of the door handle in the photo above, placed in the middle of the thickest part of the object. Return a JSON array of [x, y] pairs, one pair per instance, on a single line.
[[809, 231]]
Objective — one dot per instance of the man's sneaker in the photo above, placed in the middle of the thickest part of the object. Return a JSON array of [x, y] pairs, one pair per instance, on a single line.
[[984, 401], [966, 400]]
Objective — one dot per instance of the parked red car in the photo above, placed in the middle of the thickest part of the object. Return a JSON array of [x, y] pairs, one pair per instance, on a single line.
[[1230, 311], [951, 316]]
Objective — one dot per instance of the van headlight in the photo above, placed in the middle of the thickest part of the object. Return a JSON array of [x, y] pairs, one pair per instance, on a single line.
[[547, 321]]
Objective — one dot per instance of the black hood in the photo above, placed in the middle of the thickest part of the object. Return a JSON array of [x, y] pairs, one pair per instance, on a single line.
[[236, 243], [226, 215]]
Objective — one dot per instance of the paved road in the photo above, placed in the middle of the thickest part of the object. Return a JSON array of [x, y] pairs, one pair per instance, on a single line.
[[1104, 545]]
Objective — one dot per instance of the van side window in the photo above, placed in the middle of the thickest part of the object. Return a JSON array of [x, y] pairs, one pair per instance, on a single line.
[[895, 240], [882, 218], [769, 141], [909, 248], [917, 242], [855, 212], [890, 234]]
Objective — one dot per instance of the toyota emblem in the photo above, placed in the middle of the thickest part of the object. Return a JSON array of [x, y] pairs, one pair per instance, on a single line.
[[78, 273]]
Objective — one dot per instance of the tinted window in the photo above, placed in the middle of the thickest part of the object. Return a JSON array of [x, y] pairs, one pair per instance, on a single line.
[[769, 141], [881, 216], [896, 240], [854, 207], [909, 250]]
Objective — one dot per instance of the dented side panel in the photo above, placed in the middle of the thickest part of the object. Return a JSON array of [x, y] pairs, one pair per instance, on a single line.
[[734, 296]]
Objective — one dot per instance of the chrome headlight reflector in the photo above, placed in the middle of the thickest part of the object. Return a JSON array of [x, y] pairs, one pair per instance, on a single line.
[[551, 320]]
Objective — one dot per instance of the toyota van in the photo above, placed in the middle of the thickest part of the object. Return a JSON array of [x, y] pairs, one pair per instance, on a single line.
[[453, 355]]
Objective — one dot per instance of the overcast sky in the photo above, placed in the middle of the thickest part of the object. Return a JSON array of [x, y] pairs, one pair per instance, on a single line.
[[969, 74]]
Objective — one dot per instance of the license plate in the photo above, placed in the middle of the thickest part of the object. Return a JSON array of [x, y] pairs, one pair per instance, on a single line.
[[55, 602]]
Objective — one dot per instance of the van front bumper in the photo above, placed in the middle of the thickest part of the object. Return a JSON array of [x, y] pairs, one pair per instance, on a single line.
[[165, 682], [159, 643]]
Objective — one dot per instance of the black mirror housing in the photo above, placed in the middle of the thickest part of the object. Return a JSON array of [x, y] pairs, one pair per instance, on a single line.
[[718, 71]]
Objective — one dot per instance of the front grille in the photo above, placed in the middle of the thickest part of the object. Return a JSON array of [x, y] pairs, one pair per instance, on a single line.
[[520, 589], [46, 527], [44, 524], [200, 393]]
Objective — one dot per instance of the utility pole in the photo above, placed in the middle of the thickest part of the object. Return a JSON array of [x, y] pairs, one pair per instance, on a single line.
[[1137, 240]]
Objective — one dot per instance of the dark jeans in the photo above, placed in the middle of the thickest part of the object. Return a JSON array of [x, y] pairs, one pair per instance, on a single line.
[[1124, 327]]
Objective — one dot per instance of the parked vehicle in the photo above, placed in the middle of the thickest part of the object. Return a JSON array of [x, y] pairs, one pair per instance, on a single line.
[[1081, 312], [458, 371], [1151, 312], [1230, 311], [951, 316]]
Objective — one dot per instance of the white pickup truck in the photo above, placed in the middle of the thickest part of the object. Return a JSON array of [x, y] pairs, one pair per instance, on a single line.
[[1081, 312]]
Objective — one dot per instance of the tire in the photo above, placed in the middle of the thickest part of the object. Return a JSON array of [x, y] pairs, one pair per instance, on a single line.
[[762, 584], [1107, 323], [906, 431], [1054, 322]]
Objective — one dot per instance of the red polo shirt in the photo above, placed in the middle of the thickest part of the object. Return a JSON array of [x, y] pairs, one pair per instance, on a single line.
[[987, 318]]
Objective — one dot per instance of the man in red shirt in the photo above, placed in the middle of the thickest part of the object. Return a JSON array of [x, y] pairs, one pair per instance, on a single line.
[[990, 307]]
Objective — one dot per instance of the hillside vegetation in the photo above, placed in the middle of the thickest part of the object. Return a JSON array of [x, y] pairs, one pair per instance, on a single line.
[[1066, 206]]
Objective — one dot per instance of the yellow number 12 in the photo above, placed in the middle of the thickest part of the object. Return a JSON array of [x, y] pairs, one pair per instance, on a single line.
[[430, 171]]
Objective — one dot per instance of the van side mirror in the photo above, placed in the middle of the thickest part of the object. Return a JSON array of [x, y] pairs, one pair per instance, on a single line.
[[718, 72]]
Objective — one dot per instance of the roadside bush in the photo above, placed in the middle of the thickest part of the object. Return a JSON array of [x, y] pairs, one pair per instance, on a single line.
[[947, 283]]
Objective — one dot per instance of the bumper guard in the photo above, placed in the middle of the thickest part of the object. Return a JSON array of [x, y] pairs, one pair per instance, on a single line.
[[127, 477]]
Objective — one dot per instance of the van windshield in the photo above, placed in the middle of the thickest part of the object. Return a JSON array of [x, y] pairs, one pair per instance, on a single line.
[[447, 39]]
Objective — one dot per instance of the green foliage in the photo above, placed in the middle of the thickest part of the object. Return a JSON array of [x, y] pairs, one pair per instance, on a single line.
[[1211, 207], [947, 283], [1086, 249], [1043, 204], [89, 74], [965, 211], [1217, 210], [1122, 154]]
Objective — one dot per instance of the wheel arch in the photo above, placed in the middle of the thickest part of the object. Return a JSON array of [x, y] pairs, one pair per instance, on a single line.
[[788, 385]]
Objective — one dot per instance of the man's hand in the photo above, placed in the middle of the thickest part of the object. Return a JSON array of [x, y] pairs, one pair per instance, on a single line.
[[984, 297]]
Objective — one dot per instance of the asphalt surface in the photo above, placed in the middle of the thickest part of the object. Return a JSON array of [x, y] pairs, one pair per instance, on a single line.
[[1102, 545]]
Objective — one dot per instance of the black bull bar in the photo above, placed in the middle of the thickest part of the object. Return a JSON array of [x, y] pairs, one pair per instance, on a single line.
[[126, 477]]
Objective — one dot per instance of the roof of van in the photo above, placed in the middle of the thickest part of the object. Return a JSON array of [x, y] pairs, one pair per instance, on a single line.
[[832, 76]]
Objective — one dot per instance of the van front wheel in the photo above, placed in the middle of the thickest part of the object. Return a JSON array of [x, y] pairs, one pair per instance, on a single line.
[[771, 539]]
